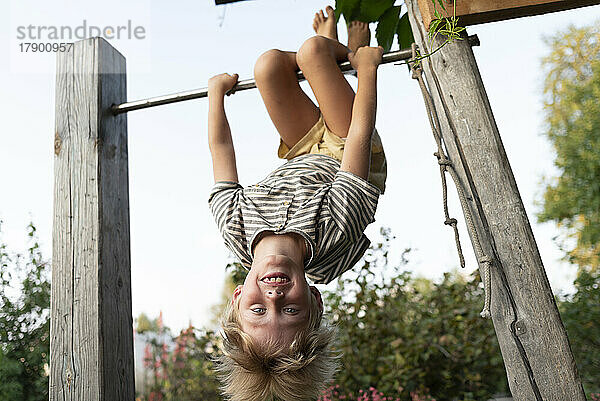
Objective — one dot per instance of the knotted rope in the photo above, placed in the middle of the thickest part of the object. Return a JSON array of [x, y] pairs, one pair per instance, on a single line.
[[445, 164]]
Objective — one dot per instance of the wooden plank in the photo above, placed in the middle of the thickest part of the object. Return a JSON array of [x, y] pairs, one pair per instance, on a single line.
[[472, 12], [91, 331], [533, 341]]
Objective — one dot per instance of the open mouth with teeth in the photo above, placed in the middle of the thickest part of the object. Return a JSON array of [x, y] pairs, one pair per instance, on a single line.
[[275, 279]]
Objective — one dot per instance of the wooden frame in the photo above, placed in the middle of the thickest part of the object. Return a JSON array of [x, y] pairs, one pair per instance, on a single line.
[[471, 12], [533, 341], [91, 323]]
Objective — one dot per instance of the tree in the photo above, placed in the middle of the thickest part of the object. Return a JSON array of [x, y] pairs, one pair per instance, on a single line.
[[572, 107], [581, 316], [24, 323], [143, 324]]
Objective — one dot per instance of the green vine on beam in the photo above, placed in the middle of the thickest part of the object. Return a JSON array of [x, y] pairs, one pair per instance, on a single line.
[[390, 24], [447, 26]]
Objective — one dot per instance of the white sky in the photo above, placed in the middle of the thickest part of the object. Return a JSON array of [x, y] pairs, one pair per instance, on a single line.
[[177, 256]]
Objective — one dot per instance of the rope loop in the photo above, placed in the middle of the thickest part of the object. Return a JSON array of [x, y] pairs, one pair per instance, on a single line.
[[442, 159], [486, 277], [485, 259], [414, 66], [450, 222]]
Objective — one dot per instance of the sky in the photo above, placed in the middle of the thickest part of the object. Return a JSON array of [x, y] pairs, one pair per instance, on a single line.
[[177, 255]]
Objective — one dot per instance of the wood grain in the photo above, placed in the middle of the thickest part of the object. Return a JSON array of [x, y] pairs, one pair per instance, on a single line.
[[471, 12], [533, 341], [91, 331]]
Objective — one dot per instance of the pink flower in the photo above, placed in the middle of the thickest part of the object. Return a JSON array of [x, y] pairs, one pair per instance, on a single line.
[[159, 322], [148, 357]]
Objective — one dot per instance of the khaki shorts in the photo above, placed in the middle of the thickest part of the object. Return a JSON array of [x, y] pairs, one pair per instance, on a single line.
[[319, 139]]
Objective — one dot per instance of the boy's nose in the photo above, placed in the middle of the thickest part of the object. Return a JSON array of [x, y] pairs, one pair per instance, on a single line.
[[275, 294]]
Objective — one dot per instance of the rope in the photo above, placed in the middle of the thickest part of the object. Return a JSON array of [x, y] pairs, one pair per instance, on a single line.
[[445, 164]]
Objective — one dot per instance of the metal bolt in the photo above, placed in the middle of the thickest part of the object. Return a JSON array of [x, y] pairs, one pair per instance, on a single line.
[[520, 327]]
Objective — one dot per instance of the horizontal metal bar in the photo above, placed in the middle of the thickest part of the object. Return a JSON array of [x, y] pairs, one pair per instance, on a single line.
[[240, 86], [218, 2]]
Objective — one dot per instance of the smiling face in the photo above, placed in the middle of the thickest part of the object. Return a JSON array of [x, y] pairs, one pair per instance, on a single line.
[[275, 300]]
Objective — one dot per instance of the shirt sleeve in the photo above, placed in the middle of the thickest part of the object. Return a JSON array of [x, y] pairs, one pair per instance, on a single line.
[[352, 202], [224, 203]]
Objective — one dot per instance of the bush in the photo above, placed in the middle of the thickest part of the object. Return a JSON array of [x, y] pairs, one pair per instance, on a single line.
[[24, 323], [581, 316], [404, 335]]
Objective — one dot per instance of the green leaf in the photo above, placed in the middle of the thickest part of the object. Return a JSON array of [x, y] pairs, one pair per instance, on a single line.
[[348, 8], [372, 10], [404, 31], [386, 28], [433, 27]]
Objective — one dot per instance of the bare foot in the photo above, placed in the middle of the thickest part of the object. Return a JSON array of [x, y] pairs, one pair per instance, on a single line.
[[358, 35], [325, 26]]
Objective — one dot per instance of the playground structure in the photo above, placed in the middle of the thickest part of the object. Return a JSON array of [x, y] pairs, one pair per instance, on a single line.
[[91, 320]]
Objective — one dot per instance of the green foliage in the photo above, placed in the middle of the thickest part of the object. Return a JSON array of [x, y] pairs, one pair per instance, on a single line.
[[381, 11], [237, 271], [390, 24], [404, 32], [581, 317], [348, 8], [387, 27], [24, 323], [144, 324], [180, 368], [373, 10], [236, 276], [441, 24], [572, 90], [406, 335], [191, 370], [10, 373]]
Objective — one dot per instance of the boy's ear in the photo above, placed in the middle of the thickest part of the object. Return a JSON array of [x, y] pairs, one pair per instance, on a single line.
[[237, 292], [315, 291]]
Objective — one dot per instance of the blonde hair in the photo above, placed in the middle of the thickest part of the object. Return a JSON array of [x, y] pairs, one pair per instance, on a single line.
[[252, 372]]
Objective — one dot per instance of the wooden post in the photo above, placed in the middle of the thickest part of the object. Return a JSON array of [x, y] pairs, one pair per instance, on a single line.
[[532, 338], [91, 328]]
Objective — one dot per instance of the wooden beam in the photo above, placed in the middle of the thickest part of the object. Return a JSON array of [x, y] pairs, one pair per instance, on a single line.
[[472, 12], [91, 327], [532, 338]]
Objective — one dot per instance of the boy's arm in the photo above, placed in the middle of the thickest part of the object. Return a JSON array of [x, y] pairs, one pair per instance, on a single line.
[[219, 132], [357, 151]]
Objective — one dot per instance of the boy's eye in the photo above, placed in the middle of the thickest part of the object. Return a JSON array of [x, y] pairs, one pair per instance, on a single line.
[[258, 310], [290, 310]]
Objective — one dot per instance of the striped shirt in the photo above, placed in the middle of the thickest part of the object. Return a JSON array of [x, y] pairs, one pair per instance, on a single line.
[[307, 195]]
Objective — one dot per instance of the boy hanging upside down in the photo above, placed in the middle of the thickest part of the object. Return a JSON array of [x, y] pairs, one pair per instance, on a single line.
[[305, 219]]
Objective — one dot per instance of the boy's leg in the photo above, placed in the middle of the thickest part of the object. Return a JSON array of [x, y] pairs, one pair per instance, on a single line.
[[318, 58], [293, 113]]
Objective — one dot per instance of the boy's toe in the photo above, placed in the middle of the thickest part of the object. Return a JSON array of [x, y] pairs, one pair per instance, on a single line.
[[330, 11]]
